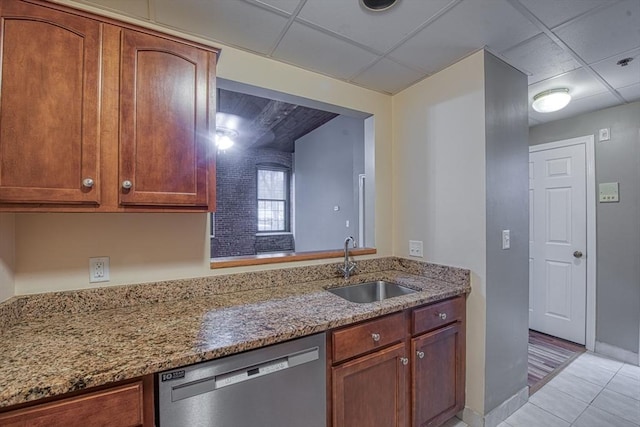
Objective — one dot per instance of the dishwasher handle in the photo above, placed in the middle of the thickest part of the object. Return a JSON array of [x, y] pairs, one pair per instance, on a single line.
[[205, 385]]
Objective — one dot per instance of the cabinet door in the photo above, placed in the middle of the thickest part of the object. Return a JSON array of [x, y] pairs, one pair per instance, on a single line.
[[120, 406], [50, 67], [371, 391], [437, 375], [165, 139]]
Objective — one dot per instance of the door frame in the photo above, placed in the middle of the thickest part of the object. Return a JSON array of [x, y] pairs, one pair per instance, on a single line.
[[591, 258]]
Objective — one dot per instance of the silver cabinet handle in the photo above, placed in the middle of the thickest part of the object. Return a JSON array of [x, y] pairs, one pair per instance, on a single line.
[[443, 316], [375, 337], [126, 184], [420, 354], [87, 182], [577, 254], [404, 361]]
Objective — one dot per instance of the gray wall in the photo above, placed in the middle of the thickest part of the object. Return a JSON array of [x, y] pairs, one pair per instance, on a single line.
[[327, 162], [507, 180], [618, 224]]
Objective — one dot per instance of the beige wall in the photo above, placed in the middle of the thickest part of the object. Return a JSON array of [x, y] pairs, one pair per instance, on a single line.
[[7, 255], [439, 187], [52, 250]]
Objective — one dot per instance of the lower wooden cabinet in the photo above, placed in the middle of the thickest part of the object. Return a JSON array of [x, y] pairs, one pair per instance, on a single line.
[[125, 405], [437, 377], [405, 369], [371, 390]]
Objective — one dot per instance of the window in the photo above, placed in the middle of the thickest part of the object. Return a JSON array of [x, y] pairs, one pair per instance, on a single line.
[[273, 200]]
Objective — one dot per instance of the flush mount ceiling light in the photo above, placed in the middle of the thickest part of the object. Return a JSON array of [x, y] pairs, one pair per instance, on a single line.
[[225, 138], [551, 100], [378, 5]]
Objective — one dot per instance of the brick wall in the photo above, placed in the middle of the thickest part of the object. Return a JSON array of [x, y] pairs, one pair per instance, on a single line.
[[236, 205]]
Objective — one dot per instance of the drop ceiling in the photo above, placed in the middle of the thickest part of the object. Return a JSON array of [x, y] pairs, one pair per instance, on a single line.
[[569, 43]]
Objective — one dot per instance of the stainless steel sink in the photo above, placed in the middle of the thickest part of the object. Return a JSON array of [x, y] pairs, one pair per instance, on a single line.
[[371, 291]]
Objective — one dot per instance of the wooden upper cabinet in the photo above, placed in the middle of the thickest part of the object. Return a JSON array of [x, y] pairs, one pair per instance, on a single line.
[[49, 115], [166, 143]]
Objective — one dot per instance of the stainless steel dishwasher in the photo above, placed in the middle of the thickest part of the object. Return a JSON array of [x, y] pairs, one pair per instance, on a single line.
[[283, 385]]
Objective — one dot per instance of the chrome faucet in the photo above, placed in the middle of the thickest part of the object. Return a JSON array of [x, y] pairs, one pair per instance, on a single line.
[[348, 266]]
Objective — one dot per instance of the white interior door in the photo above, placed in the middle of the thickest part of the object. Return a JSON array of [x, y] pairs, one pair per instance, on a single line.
[[558, 238]]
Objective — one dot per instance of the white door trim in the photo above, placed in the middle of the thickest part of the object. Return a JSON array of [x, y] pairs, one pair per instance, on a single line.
[[588, 142]]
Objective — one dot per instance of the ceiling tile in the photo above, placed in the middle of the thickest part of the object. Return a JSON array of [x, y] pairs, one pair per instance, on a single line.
[[137, 8], [465, 28], [315, 50], [616, 75], [378, 30], [555, 12], [608, 32], [287, 6], [630, 93], [576, 107], [388, 76], [232, 22], [541, 57], [579, 82]]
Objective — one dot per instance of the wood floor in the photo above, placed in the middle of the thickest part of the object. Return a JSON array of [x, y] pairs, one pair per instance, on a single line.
[[547, 357]]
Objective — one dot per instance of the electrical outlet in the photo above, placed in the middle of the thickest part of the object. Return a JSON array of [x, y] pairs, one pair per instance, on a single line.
[[99, 269], [415, 248]]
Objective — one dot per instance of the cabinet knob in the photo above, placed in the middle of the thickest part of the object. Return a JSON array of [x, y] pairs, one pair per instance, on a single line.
[[577, 254], [126, 184], [87, 182], [404, 361], [375, 337], [442, 316], [420, 354]]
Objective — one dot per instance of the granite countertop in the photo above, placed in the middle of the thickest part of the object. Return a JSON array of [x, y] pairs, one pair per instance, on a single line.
[[48, 355]]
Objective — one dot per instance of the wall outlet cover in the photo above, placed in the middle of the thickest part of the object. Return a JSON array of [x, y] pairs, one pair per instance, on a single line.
[[415, 248], [99, 269]]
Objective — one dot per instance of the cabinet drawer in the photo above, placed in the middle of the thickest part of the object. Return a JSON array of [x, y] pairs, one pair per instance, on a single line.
[[436, 315], [368, 336], [120, 406]]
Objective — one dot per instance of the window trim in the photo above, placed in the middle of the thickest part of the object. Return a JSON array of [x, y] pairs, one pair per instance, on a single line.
[[287, 192]]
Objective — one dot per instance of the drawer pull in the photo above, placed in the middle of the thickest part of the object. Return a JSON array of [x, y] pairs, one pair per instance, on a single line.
[[375, 337], [420, 354], [404, 361], [442, 316]]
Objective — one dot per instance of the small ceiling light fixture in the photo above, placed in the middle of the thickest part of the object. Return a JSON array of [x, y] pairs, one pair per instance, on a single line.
[[225, 138], [378, 5], [551, 100]]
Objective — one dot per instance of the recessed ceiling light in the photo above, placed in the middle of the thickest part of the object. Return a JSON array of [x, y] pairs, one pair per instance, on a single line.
[[551, 100], [378, 5]]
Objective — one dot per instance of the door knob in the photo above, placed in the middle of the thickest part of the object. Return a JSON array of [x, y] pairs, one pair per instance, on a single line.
[[577, 254]]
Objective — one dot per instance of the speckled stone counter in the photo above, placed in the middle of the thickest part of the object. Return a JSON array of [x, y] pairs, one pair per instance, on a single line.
[[52, 344]]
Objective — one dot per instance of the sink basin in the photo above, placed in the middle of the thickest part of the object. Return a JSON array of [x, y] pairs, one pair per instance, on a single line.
[[371, 291]]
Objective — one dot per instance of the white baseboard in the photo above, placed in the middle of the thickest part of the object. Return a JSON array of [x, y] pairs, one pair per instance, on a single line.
[[617, 353], [499, 414]]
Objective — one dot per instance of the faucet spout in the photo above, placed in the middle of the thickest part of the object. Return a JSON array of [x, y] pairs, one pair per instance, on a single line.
[[349, 266]]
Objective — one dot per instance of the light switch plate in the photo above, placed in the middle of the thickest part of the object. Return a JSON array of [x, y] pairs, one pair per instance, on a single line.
[[506, 239], [604, 135], [608, 192]]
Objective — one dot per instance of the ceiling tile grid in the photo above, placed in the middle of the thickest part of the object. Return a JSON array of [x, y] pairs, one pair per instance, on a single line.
[[388, 75], [379, 31], [313, 49], [541, 57], [558, 43], [607, 32], [236, 23]]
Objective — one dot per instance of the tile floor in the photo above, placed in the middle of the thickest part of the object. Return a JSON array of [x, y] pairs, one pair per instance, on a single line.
[[593, 391]]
